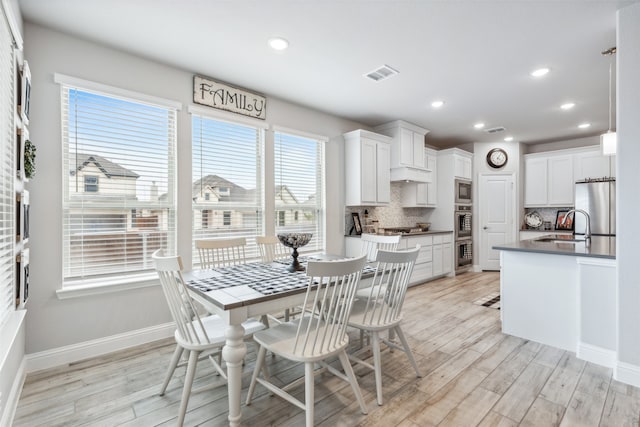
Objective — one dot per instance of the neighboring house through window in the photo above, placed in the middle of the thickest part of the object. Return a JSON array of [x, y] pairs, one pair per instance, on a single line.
[[119, 150], [226, 218]]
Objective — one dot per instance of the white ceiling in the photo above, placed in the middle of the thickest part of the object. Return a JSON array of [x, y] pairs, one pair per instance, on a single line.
[[475, 55]]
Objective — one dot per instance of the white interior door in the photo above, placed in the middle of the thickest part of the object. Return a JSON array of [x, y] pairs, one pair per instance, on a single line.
[[496, 209]]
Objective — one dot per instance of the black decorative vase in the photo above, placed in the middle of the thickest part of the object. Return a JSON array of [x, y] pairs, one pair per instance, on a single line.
[[295, 241]]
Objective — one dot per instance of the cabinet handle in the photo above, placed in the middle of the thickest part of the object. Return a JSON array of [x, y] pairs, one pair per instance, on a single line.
[[485, 228]]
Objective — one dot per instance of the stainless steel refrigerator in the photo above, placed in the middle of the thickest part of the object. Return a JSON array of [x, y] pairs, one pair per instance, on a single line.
[[598, 199]]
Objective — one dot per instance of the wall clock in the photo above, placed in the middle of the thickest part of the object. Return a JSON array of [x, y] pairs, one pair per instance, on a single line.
[[497, 158]]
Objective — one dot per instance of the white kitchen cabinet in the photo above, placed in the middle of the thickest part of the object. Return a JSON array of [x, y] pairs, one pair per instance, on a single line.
[[462, 167], [431, 161], [437, 259], [535, 181], [407, 147], [591, 164], [548, 180], [447, 257], [367, 172], [561, 181]]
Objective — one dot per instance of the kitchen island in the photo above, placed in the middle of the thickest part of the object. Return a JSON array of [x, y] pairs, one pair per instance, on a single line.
[[561, 292]]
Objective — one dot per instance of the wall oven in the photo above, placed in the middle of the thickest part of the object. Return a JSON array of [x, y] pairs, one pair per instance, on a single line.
[[463, 191], [462, 222], [464, 255]]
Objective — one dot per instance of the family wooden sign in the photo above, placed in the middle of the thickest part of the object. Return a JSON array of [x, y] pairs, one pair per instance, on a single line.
[[224, 97]]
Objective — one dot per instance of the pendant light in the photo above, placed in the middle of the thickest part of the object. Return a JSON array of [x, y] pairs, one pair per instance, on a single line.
[[608, 140]]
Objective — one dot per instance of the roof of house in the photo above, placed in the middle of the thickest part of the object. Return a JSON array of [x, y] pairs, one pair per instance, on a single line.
[[107, 167], [236, 192]]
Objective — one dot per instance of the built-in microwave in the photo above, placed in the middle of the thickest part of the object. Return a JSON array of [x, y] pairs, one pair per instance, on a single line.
[[463, 191]]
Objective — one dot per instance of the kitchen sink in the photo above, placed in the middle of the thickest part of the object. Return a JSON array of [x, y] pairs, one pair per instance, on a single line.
[[559, 240]]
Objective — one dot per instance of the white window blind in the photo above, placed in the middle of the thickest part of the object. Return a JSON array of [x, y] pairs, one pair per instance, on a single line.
[[227, 184], [7, 172], [299, 187], [119, 169]]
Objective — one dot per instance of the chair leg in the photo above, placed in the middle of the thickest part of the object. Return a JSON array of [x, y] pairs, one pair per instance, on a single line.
[[407, 350], [172, 368], [256, 372], [377, 364], [188, 383], [287, 314], [309, 385], [348, 370]]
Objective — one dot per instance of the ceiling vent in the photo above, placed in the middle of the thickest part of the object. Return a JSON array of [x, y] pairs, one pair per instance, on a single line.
[[496, 129], [381, 73]]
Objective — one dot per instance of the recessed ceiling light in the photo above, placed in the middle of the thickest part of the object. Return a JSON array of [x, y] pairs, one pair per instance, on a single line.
[[508, 138], [478, 125], [278, 43], [584, 125], [568, 106], [540, 72], [437, 104]]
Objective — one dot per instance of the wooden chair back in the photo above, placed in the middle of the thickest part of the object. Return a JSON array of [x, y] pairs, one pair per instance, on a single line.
[[271, 249], [181, 305], [372, 243], [216, 253], [386, 296], [327, 306]]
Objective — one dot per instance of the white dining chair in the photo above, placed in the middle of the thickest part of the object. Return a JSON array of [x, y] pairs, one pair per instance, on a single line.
[[320, 332], [215, 253], [372, 243], [271, 249], [381, 310], [199, 337]]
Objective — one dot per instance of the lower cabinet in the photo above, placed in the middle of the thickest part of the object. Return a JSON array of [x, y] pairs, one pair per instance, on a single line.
[[434, 259]]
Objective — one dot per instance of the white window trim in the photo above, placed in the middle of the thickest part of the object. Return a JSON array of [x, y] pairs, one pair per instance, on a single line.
[[76, 289], [114, 91], [225, 116], [302, 134]]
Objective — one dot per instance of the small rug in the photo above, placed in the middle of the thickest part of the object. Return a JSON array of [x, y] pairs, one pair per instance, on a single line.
[[491, 301]]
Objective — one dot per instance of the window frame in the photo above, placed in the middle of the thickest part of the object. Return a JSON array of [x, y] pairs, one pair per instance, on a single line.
[[95, 284]]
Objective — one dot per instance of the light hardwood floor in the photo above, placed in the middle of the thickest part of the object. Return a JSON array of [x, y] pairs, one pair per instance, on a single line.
[[472, 375]]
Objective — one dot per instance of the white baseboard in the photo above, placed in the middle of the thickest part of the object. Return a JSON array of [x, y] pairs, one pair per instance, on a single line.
[[6, 418], [76, 352], [595, 354], [627, 373]]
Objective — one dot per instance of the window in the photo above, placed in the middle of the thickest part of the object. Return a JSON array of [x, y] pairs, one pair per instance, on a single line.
[[227, 160], [7, 172], [120, 148], [90, 184], [299, 186]]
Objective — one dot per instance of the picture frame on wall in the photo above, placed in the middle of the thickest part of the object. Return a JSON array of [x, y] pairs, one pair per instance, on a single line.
[[357, 226], [560, 215], [25, 96]]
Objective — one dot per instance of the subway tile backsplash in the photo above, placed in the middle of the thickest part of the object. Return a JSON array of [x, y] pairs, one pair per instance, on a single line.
[[393, 215]]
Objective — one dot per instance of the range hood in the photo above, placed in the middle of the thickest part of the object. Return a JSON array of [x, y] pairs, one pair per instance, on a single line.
[[409, 174]]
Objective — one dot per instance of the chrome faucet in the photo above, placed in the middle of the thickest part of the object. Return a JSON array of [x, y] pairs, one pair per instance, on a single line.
[[587, 231]]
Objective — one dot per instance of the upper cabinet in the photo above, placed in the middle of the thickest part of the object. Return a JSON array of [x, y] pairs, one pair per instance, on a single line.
[[550, 177], [462, 167], [407, 148], [367, 160], [591, 164], [548, 180]]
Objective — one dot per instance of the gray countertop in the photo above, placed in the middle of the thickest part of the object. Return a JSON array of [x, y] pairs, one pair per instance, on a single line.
[[422, 233], [601, 247]]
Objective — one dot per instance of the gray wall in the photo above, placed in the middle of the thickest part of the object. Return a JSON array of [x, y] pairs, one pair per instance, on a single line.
[[628, 177], [53, 323]]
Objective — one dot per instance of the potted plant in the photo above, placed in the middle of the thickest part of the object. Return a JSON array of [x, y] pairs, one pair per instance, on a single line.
[[29, 159]]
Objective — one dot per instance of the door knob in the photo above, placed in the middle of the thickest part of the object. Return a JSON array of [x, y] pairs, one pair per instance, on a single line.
[[485, 228]]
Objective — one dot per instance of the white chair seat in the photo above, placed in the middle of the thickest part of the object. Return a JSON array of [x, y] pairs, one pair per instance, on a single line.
[[281, 339], [360, 317]]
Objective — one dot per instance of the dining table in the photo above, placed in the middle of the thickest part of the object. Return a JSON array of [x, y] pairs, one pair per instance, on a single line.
[[239, 292]]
